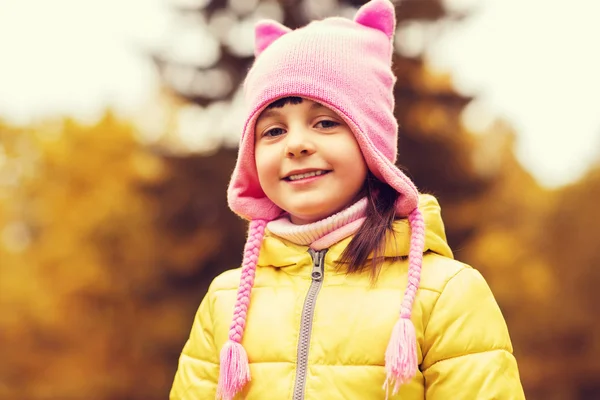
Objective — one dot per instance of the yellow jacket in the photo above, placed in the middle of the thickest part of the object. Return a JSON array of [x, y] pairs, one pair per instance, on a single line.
[[464, 349]]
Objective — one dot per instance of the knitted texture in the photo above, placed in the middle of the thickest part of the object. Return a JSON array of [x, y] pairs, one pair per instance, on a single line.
[[322, 234], [401, 353], [342, 64], [235, 371]]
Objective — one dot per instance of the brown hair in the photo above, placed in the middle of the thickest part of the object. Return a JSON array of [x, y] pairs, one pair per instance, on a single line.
[[371, 236]]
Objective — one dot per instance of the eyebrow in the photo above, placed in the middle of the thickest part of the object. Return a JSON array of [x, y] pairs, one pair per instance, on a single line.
[[271, 112]]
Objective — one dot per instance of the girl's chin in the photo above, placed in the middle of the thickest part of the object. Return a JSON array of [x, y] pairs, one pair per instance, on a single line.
[[303, 217], [302, 220]]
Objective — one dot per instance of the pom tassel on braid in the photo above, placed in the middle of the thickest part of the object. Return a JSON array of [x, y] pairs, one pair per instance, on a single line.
[[401, 354], [235, 371]]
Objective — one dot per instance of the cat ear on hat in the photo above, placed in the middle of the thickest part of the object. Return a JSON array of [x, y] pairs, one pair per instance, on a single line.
[[266, 32], [378, 14]]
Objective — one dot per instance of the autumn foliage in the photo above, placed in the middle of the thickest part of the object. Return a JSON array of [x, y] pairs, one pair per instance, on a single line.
[[107, 245]]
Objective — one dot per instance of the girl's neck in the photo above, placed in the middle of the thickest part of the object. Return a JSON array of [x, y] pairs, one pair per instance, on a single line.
[[324, 233]]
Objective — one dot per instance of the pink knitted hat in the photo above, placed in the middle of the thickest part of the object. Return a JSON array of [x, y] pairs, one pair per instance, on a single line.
[[345, 65]]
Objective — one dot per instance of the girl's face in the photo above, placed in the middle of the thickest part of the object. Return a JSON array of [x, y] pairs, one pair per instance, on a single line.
[[307, 159]]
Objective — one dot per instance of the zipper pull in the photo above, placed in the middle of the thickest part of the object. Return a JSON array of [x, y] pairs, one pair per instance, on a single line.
[[318, 264]]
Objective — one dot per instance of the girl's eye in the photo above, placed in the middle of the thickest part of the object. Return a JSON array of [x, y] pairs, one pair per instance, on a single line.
[[327, 124], [273, 132]]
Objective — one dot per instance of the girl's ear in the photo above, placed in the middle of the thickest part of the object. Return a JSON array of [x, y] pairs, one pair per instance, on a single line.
[[266, 32], [378, 14]]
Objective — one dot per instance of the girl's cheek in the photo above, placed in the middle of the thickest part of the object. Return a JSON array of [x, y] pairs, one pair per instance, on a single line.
[[265, 162]]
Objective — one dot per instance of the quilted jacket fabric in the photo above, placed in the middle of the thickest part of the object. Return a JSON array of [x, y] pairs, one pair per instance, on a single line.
[[464, 348]]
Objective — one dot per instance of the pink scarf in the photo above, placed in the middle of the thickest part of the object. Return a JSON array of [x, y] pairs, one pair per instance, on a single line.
[[324, 233]]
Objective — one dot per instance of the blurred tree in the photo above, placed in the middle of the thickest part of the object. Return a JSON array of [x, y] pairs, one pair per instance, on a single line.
[[107, 246], [104, 251], [569, 245]]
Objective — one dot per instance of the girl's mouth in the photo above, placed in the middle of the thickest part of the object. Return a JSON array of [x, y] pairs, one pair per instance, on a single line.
[[305, 176]]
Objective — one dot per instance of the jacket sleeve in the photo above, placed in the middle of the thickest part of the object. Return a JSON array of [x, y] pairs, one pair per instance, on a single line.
[[467, 349], [198, 369]]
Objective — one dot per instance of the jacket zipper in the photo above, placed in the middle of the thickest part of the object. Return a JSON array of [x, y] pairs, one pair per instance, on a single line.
[[308, 311]]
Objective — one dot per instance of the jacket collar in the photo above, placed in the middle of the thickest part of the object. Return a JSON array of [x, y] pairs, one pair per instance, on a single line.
[[278, 252]]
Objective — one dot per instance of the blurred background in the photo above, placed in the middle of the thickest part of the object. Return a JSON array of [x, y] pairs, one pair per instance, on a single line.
[[118, 129]]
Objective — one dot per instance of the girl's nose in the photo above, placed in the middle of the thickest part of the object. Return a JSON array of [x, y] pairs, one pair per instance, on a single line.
[[299, 143]]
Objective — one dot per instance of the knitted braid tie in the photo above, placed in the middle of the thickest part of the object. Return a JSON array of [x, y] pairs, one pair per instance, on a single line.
[[235, 371], [401, 353]]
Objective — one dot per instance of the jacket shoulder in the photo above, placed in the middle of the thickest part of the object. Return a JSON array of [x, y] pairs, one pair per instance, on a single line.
[[438, 270], [228, 280]]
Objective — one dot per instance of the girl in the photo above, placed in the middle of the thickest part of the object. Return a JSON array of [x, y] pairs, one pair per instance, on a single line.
[[348, 289]]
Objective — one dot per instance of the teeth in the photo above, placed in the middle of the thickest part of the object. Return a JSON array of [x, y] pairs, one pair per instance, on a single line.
[[306, 175]]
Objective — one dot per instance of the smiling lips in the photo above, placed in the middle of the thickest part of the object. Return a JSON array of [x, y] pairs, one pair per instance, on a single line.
[[304, 175]]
